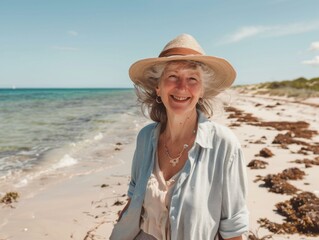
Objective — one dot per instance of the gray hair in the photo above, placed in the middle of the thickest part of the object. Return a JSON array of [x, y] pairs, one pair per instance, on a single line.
[[147, 95]]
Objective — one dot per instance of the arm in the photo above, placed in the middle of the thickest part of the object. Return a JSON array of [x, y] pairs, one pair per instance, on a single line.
[[233, 238], [124, 209], [234, 215], [135, 168]]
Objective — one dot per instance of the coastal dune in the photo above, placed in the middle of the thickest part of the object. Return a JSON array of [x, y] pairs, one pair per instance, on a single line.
[[86, 206]]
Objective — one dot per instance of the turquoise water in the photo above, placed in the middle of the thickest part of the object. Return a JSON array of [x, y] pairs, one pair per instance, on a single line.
[[83, 124]]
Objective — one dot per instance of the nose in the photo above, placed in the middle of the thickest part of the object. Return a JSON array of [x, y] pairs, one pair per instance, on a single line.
[[182, 83]]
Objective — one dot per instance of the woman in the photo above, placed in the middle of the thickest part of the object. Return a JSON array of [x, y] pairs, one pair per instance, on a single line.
[[188, 173]]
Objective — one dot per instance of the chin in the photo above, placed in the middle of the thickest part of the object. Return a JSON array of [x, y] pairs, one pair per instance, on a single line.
[[181, 110]]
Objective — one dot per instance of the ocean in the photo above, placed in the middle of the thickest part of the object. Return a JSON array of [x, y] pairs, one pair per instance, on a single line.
[[55, 132]]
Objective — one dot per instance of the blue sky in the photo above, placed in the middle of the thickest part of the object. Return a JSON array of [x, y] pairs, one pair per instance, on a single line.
[[77, 43]]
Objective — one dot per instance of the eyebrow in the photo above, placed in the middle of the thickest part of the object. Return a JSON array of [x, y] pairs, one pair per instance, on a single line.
[[168, 70]]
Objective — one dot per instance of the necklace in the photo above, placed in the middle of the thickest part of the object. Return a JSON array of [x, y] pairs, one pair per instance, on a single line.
[[174, 160]]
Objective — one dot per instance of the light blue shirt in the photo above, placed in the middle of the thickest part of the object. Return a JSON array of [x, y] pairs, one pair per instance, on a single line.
[[209, 195]]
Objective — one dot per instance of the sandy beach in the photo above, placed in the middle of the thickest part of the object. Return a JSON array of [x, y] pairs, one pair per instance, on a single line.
[[85, 207]]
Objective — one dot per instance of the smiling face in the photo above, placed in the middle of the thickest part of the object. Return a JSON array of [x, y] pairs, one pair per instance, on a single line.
[[180, 87]]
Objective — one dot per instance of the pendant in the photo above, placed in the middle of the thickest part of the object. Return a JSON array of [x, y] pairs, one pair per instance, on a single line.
[[174, 161]]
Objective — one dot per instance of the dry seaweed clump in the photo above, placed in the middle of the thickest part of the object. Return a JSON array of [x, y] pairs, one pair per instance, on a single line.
[[302, 215], [240, 115], [295, 130], [276, 227], [9, 198], [288, 138], [277, 183], [292, 174], [308, 162], [285, 139], [257, 164], [266, 153], [309, 148], [299, 128]]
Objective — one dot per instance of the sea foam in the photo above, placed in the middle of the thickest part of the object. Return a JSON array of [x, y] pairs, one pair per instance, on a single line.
[[65, 161]]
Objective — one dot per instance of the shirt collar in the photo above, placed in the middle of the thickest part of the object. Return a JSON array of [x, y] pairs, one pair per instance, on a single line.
[[204, 136]]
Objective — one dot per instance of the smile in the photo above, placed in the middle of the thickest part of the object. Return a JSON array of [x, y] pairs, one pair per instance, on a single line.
[[180, 98]]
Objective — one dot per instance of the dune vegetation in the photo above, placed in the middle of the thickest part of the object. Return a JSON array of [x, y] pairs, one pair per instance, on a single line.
[[299, 83], [298, 88]]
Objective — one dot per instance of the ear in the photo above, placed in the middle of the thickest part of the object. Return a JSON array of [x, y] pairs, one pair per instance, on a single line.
[[157, 91]]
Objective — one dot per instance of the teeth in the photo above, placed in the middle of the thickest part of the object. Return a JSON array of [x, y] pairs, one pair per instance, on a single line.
[[180, 98]]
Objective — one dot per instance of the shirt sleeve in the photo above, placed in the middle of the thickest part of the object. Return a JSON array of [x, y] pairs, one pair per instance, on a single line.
[[138, 157], [234, 214], [132, 183]]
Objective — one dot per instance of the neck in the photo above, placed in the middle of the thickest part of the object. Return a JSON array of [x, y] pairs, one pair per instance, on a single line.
[[180, 126]]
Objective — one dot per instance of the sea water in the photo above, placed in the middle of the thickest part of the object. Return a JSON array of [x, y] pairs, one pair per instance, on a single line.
[[45, 132]]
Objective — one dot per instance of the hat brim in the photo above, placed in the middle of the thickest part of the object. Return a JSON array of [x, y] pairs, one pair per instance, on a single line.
[[224, 73]]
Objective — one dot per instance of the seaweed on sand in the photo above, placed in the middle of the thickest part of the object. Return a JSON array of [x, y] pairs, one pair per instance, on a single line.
[[266, 153], [240, 115], [302, 215], [309, 148], [9, 198], [308, 162], [257, 164], [277, 183]]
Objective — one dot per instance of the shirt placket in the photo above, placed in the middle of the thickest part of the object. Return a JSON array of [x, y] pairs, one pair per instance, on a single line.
[[175, 203]]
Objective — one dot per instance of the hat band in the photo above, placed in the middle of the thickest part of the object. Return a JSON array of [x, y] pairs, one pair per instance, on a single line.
[[179, 51]]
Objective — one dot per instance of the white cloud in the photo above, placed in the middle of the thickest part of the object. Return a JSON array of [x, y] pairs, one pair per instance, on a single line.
[[313, 62], [63, 48], [271, 31], [314, 46], [73, 33], [246, 32]]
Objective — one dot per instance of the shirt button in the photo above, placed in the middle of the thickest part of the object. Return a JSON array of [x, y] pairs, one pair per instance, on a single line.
[[173, 218]]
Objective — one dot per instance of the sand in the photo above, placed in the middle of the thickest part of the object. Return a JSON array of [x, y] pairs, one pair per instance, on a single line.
[[85, 207]]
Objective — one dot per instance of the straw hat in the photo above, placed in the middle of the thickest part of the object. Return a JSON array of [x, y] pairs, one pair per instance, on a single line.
[[185, 47]]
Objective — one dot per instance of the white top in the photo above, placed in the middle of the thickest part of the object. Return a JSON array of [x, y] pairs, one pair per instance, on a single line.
[[155, 212]]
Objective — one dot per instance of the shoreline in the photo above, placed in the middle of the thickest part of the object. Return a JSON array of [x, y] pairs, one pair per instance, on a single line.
[[72, 206], [85, 206]]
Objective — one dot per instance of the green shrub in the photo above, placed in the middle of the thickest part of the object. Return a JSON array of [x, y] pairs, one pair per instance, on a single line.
[[299, 83]]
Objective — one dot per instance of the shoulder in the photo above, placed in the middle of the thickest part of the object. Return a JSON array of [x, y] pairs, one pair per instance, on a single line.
[[147, 131], [214, 135], [222, 134], [225, 142]]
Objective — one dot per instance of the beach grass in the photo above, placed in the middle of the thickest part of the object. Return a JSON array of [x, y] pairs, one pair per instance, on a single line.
[[300, 88]]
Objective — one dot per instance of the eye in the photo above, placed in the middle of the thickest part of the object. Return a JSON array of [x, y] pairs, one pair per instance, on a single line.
[[193, 80], [172, 77]]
